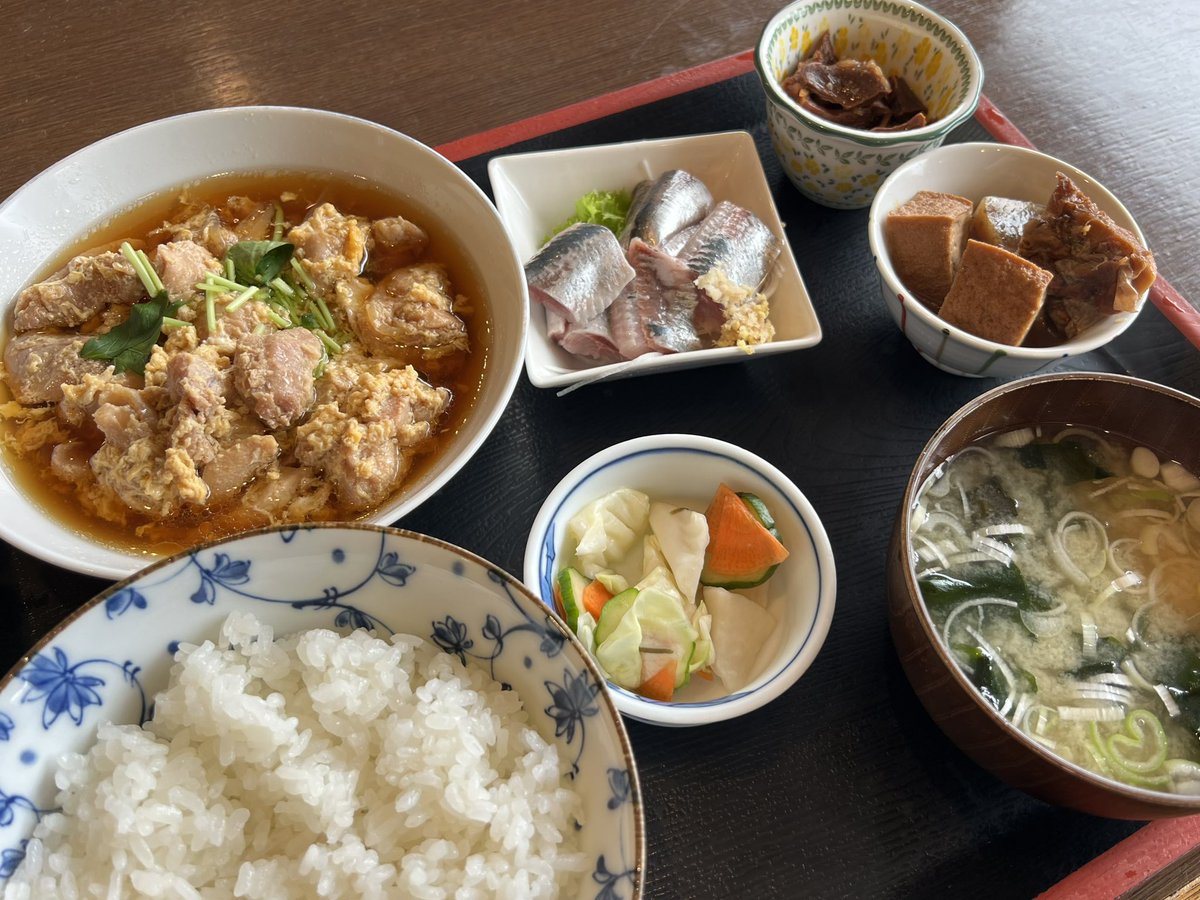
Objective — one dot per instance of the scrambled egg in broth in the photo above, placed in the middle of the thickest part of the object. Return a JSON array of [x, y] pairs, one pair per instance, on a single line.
[[245, 351]]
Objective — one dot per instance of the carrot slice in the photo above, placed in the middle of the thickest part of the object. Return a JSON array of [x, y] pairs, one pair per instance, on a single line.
[[595, 595], [660, 685], [741, 551]]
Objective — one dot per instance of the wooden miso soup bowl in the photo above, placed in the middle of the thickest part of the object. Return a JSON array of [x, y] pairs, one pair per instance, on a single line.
[[1147, 413]]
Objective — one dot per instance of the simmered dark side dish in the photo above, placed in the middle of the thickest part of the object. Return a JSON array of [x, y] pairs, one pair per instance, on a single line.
[[853, 92], [283, 350]]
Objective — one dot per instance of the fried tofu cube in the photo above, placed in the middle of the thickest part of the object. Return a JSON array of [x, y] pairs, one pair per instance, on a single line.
[[1001, 220], [925, 238], [996, 294]]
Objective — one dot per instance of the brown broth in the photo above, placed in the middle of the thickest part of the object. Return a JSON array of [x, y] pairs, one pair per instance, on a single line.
[[192, 526]]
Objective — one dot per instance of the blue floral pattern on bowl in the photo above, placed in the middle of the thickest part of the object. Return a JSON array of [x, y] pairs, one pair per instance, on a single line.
[[107, 663]]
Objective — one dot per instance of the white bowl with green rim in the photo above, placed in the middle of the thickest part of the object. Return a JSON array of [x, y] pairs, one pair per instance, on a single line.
[[843, 167]]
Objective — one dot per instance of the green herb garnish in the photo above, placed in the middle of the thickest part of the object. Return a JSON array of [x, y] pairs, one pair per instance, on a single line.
[[607, 208], [259, 261], [128, 345]]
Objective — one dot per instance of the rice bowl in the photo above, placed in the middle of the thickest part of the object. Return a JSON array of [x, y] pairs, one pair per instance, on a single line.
[[354, 746]]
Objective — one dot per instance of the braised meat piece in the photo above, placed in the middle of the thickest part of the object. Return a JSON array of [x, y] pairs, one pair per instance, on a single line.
[[77, 292], [855, 93], [332, 245], [1099, 267], [38, 365], [411, 314], [274, 374], [394, 242], [182, 265]]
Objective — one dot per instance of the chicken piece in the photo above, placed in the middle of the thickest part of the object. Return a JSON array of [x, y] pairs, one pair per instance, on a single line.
[[182, 265], [148, 476], [288, 493], [195, 421], [274, 374], [123, 425], [410, 316], [370, 422], [331, 245], [38, 366], [81, 399], [237, 465], [394, 242], [69, 462], [77, 292]]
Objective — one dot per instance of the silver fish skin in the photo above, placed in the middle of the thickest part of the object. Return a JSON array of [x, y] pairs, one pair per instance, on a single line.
[[734, 240], [671, 202], [656, 311], [579, 272]]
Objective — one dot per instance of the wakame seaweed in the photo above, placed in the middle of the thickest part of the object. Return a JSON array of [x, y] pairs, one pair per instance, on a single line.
[[1071, 458]]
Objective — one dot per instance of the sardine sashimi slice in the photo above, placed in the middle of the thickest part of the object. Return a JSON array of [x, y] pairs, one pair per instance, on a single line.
[[671, 202], [655, 312], [734, 240], [592, 339], [579, 272], [678, 240]]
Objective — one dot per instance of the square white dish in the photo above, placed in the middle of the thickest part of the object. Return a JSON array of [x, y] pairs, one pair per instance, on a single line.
[[534, 192]]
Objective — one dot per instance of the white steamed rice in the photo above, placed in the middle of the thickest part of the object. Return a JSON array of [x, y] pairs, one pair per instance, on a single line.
[[317, 765]]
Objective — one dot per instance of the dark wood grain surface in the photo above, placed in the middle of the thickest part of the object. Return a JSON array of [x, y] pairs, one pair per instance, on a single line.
[[842, 787]]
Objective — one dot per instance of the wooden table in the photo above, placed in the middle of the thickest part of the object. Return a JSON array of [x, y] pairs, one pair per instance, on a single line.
[[736, 810]]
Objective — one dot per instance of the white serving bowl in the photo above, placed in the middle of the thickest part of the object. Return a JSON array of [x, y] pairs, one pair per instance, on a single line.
[[110, 658], [843, 167], [535, 192], [82, 192], [687, 469], [976, 171]]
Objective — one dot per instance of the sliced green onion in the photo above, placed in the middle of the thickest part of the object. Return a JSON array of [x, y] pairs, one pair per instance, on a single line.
[[240, 300], [325, 314], [283, 287], [228, 283], [139, 267], [330, 344], [305, 280], [152, 272], [277, 232]]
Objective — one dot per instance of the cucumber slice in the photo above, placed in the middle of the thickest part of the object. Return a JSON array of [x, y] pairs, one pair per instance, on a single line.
[[570, 586], [665, 626], [619, 653], [760, 512], [612, 613]]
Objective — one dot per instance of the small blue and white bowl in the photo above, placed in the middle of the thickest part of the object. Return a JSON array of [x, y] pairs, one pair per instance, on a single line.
[[687, 469], [107, 661]]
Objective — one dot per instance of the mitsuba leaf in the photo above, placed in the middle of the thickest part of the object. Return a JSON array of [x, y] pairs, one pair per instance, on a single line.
[[128, 345], [259, 261]]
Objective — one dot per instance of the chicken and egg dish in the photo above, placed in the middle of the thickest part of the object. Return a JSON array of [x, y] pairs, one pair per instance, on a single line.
[[255, 356]]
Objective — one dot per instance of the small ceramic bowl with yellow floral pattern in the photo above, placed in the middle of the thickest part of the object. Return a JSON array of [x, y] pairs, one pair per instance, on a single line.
[[842, 166]]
